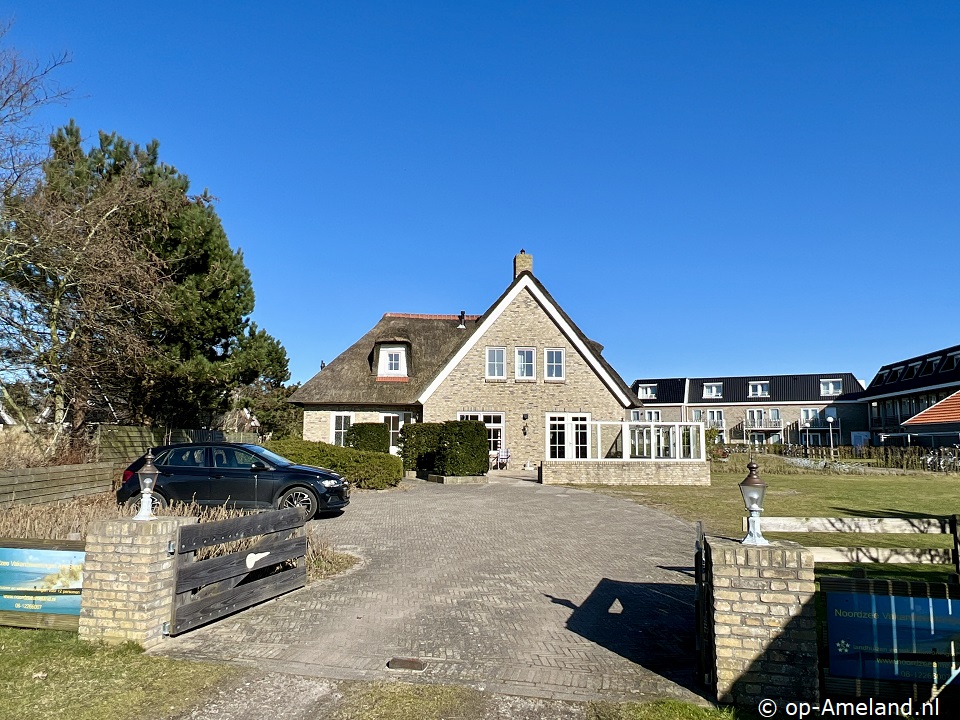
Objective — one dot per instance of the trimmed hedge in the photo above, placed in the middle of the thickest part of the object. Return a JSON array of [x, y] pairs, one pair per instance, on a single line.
[[372, 437], [370, 470], [464, 448], [419, 443]]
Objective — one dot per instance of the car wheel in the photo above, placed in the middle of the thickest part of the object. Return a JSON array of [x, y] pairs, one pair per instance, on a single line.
[[159, 502], [299, 497]]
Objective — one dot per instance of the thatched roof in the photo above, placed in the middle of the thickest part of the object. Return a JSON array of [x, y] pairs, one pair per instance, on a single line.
[[433, 340], [351, 378]]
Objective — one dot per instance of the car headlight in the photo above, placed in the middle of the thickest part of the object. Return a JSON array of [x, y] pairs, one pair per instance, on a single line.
[[330, 482]]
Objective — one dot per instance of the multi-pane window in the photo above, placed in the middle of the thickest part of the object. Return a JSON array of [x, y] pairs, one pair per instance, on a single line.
[[341, 423], [494, 424], [696, 416], [760, 389], [652, 415], [715, 418], [395, 423], [525, 368], [713, 390], [496, 362], [831, 387], [568, 436], [809, 415], [554, 363], [392, 362], [647, 392]]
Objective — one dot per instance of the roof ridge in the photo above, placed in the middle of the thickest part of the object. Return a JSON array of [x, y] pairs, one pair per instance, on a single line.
[[426, 316]]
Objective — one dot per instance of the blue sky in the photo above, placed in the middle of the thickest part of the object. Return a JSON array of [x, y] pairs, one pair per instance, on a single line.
[[707, 188]]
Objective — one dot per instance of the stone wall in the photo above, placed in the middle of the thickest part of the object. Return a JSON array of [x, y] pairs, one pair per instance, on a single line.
[[128, 580], [765, 623], [625, 472], [317, 422]]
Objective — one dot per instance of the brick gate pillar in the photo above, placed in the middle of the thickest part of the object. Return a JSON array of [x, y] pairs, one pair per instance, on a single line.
[[765, 623], [128, 580]]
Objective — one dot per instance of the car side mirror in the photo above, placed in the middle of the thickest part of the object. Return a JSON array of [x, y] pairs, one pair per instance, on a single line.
[[254, 467]]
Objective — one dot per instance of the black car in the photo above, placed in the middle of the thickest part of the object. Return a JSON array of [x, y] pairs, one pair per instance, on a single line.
[[245, 476]]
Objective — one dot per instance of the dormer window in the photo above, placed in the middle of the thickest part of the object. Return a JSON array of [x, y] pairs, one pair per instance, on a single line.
[[713, 390], [647, 392], [760, 389], [912, 370], [392, 362], [831, 387]]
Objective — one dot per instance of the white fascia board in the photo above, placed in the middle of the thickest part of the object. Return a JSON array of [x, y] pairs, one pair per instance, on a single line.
[[526, 284], [915, 391]]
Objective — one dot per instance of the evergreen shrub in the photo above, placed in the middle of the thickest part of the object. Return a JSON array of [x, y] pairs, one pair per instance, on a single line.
[[464, 448], [419, 444], [370, 470], [372, 437]]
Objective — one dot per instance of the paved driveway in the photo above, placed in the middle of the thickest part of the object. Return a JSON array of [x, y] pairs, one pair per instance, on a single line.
[[511, 586]]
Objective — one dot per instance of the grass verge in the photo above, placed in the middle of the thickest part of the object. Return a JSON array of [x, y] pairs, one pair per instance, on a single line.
[[660, 710], [47, 673], [812, 494], [409, 701]]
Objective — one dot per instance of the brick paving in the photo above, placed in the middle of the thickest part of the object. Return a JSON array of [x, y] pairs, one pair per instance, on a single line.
[[511, 587]]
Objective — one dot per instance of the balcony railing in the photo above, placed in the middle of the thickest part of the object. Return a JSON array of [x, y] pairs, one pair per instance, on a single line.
[[763, 424]]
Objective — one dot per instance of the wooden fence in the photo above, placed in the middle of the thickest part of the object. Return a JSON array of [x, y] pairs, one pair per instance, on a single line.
[[914, 555], [207, 590], [35, 486], [122, 444]]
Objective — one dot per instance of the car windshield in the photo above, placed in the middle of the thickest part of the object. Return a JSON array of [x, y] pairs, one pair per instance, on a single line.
[[267, 455]]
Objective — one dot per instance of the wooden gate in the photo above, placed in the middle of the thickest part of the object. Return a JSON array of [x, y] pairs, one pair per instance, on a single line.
[[208, 590], [703, 609]]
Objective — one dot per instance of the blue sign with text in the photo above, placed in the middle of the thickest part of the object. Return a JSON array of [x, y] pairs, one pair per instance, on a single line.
[[892, 637], [41, 581]]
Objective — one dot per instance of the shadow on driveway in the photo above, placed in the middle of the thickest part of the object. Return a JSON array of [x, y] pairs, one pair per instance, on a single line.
[[650, 624]]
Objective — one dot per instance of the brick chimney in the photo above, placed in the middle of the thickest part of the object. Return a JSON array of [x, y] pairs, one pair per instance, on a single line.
[[522, 263]]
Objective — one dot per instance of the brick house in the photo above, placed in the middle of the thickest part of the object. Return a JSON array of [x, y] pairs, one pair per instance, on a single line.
[[761, 409], [523, 368]]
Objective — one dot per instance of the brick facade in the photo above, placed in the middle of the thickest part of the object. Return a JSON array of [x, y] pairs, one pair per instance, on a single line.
[[626, 472], [764, 620], [525, 324], [317, 422], [128, 580]]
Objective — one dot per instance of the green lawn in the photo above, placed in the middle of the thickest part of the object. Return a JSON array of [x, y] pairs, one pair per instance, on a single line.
[[47, 674], [720, 506]]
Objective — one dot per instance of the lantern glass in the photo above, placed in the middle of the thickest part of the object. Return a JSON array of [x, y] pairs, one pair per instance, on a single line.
[[147, 475]]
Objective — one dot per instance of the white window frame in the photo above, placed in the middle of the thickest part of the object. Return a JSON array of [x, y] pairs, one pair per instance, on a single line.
[[810, 415], [495, 429], [713, 390], [572, 450], [383, 364], [547, 366], [403, 417], [333, 427], [759, 388], [831, 387], [647, 392], [488, 362], [519, 364], [651, 416]]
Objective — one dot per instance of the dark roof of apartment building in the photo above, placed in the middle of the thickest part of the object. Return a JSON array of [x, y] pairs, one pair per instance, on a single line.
[[736, 389], [937, 369]]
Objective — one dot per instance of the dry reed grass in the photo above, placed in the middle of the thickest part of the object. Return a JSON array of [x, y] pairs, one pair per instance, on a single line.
[[68, 520]]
